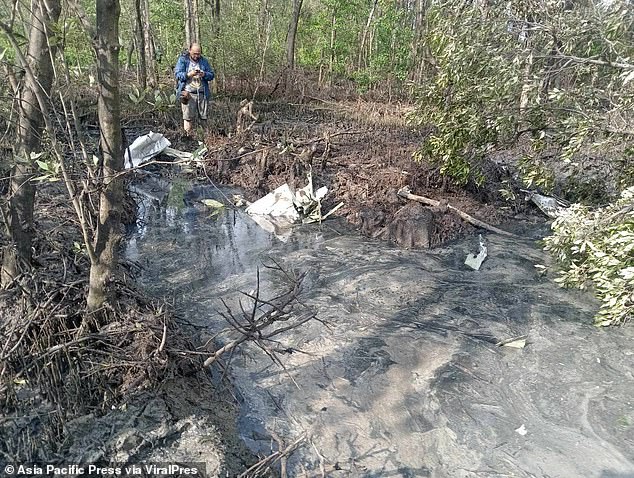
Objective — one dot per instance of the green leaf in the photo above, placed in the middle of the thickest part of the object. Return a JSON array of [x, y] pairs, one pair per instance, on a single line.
[[212, 203]]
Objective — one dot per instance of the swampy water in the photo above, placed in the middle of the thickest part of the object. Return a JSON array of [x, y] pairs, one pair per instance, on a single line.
[[401, 377]]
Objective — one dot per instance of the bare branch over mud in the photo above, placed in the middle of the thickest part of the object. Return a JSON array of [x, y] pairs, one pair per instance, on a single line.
[[264, 319]]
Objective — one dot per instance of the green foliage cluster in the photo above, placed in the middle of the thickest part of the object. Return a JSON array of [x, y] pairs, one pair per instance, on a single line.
[[248, 38], [390, 52], [470, 100], [559, 72], [559, 76], [596, 246]]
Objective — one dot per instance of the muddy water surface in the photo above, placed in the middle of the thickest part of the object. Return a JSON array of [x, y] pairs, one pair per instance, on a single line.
[[405, 378]]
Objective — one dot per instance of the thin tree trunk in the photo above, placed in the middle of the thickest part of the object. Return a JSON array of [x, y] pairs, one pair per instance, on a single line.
[[364, 36], [19, 216], [420, 50], [140, 45], [108, 233], [292, 33], [195, 21], [130, 51], [215, 27], [190, 12], [526, 85], [333, 39], [150, 64], [263, 23]]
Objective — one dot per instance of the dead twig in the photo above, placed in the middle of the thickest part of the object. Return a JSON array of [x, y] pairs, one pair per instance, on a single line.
[[266, 463], [327, 137], [257, 323]]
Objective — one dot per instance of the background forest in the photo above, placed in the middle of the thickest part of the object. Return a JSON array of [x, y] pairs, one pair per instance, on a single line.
[[546, 84], [550, 82]]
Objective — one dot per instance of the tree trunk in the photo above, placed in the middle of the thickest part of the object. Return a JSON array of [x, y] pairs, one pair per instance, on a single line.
[[140, 45], [420, 49], [19, 216], [108, 233], [130, 51], [292, 33], [263, 23], [195, 21], [333, 38], [192, 28], [364, 36], [187, 13], [150, 64]]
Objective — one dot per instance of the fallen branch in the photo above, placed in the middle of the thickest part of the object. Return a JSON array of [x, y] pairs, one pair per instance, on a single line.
[[264, 319], [265, 464], [326, 137], [405, 193]]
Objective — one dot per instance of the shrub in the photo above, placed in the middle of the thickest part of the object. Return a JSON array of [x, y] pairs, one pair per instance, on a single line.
[[595, 247]]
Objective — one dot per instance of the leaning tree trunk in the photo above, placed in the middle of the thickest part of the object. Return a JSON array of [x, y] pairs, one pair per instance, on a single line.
[[19, 214], [108, 233], [364, 37], [292, 33]]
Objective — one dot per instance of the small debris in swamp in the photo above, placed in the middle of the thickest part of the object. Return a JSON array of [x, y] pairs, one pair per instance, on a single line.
[[515, 342], [474, 261]]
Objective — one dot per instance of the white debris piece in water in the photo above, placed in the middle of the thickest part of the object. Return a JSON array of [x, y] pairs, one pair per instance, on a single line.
[[552, 206], [278, 210], [514, 343], [275, 212], [304, 205], [145, 148], [179, 155], [185, 156], [474, 261], [278, 204], [308, 201]]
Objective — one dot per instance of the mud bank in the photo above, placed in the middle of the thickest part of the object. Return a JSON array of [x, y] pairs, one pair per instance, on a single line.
[[364, 156]]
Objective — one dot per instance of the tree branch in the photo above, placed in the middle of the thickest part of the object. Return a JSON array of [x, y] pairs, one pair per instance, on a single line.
[[590, 61], [41, 99], [404, 192]]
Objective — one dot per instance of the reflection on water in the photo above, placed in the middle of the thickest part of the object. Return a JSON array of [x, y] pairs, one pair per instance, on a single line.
[[187, 242], [190, 239], [405, 379]]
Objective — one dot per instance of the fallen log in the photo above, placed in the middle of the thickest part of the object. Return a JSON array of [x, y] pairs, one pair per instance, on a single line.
[[405, 193]]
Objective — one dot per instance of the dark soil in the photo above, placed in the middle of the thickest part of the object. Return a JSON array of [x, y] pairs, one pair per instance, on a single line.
[[160, 407], [363, 153]]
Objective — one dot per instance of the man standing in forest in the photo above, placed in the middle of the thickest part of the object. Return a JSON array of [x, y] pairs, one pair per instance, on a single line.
[[193, 74]]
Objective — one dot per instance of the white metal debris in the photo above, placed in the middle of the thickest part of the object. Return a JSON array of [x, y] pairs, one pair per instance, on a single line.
[[281, 208], [145, 148], [474, 261]]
